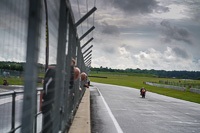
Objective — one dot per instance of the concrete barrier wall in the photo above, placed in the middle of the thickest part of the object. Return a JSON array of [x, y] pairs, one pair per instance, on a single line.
[[194, 90], [166, 86]]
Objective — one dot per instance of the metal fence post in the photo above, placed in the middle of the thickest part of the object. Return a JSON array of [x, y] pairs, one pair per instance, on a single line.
[[86, 33], [68, 105], [13, 112], [87, 49], [79, 65], [30, 78], [35, 127], [60, 68], [87, 54], [76, 85], [87, 43]]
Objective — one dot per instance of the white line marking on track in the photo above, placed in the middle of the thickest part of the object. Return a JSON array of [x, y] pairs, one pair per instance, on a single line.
[[119, 130]]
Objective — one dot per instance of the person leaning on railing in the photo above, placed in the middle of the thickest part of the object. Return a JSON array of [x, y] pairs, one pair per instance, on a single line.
[[48, 94], [84, 78], [76, 76]]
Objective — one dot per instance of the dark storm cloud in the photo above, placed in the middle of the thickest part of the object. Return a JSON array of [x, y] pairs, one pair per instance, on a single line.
[[194, 11], [13, 12], [110, 29], [138, 6], [180, 53], [175, 33], [196, 14]]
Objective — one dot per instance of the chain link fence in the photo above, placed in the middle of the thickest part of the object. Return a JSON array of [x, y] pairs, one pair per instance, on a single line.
[[42, 37]]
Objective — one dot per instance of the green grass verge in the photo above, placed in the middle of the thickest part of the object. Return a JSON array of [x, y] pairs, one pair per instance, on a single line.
[[137, 82], [124, 74], [15, 81], [12, 81]]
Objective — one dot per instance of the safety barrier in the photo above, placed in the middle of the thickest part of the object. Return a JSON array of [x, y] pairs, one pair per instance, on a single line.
[[166, 86], [194, 90], [42, 35]]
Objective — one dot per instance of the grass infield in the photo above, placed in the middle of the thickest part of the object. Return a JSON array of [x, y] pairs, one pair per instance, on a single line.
[[137, 82]]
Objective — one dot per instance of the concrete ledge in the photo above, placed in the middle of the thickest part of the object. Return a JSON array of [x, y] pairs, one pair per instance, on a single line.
[[81, 122]]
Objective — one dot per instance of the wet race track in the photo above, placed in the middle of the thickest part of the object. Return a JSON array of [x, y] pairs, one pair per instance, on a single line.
[[121, 109]]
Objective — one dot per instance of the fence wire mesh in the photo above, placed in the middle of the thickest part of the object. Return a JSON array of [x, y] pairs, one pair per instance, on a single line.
[[42, 68]]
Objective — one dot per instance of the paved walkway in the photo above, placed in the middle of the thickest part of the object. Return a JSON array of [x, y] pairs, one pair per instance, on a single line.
[[81, 122]]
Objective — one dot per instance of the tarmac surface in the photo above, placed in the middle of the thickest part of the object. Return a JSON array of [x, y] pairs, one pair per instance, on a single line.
[[117, 109], [10, 88]]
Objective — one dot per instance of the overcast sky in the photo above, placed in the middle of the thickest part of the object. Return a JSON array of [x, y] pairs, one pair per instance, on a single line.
[[145, 34]]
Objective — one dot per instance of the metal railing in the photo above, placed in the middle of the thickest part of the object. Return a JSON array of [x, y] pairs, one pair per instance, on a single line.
[[11, 97]]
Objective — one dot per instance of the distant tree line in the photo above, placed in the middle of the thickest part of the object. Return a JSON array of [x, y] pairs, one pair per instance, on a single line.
[[159, 73], [12, 66], [17, 66]]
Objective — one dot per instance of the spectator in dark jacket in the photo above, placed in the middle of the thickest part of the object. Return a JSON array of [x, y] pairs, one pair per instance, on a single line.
[[48, 100]]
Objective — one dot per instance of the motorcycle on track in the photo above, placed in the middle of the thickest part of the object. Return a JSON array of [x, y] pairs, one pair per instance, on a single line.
[[143, 92]]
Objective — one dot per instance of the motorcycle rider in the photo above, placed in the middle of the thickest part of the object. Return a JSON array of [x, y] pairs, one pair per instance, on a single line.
[[141, 90]]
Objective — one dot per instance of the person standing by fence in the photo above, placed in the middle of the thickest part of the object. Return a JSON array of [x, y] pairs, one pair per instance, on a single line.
[[48, 100]]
